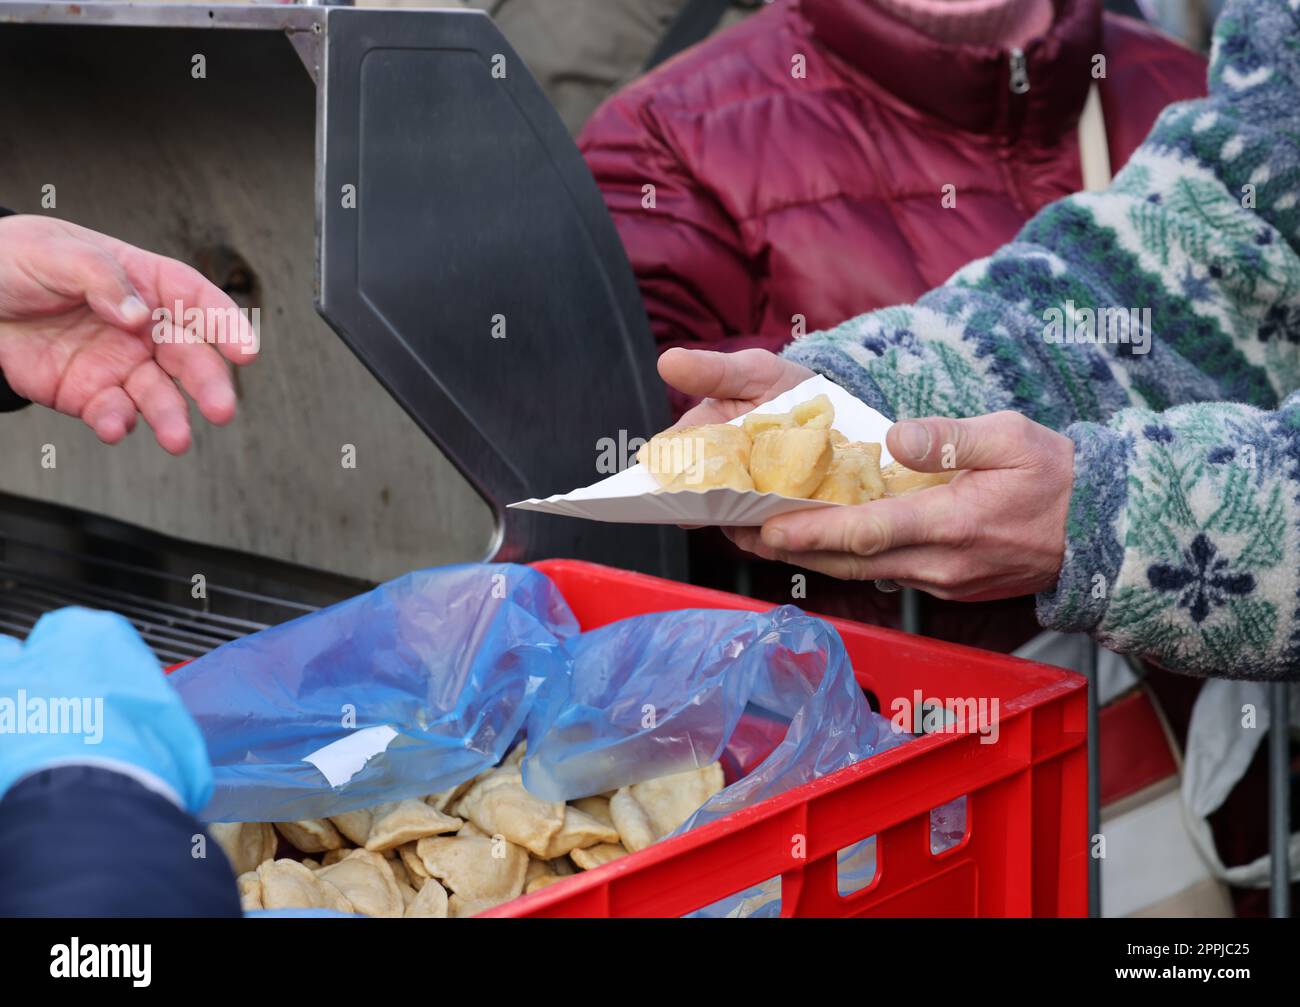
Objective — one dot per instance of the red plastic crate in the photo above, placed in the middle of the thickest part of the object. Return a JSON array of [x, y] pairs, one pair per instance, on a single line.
[[1025, 847]]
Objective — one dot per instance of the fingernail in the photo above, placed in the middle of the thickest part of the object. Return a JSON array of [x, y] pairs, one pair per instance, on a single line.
[[133, 308], [914, 438], [775, 537]]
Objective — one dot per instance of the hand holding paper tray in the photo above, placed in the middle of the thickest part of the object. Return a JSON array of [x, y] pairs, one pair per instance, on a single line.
[[634, 497]]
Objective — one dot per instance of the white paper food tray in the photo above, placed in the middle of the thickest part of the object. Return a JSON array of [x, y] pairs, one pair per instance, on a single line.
[[632, 496]]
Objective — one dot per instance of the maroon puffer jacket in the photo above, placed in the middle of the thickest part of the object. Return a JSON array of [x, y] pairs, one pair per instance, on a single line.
[[777, 196]]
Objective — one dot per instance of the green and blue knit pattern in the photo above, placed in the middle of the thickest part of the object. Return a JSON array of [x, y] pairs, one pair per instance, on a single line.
[[1184, 528]]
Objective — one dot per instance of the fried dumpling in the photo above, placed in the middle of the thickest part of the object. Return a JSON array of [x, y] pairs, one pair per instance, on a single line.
[[900, 480], [499, 805], [516, 756], [406, 821], [579, 830], [250, 891], [854, 474], [245, 844], [429, 903], [354, 825], [444, 799], [791, 462], [286, 884], [398, 866], [646, 812], [540, 873], [816, 414], [477, 870], [597, 856], [459, 907], [314, 835], [596, 807], [699, 458], [413, 864], [366, 880]]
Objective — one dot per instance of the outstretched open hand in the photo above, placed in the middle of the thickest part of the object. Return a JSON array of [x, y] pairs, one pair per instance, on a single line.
[[78, 332]]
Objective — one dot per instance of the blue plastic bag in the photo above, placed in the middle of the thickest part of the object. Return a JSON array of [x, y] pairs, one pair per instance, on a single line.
[[772, 695], [403, 691]]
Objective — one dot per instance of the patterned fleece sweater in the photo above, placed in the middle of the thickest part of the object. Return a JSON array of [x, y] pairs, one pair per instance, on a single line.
[[1157, 323]]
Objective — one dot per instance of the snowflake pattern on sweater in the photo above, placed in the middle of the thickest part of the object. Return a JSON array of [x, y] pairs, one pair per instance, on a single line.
[[1157, 323]]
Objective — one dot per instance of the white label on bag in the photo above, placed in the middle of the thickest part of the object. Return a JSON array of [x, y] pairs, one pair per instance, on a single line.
[[341, 760]]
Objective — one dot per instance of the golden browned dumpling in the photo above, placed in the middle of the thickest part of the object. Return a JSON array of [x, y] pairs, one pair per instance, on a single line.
[[792, 461], [854, 475], [900, 480], [816, 414], [699, 458]]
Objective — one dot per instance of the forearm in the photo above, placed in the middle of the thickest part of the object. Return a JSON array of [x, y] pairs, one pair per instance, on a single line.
[[1183, 539], [83, 841], [1180, 283]]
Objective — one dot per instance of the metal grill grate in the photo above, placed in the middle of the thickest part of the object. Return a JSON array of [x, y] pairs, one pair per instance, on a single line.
[[51, 564], [174, 633]]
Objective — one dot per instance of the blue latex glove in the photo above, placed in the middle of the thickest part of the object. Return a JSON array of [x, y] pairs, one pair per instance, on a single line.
[[125, 713]]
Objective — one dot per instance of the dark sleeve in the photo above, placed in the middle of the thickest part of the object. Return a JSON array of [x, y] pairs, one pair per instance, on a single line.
[[85, 841], [9, 399]]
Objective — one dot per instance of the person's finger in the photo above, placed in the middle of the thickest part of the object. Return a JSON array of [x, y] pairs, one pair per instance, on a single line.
[[110, 413], [750, 374], [203, 374], [935, 567], [871, 528], [162, 405], [996, 441], [179, 290], [709, 411], [83, 269]]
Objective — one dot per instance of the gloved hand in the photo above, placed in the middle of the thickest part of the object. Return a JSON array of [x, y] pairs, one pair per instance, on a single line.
[[85, 689]]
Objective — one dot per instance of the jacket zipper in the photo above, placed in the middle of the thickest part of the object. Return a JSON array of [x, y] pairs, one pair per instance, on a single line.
[[1019, 72], [1017, 84]]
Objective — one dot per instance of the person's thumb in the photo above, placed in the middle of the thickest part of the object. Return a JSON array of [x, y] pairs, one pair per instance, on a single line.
[[100, 279], [750, 374], [995, 441]]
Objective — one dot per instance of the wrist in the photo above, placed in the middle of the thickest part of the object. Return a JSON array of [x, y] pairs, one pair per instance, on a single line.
[[1092, 550]]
